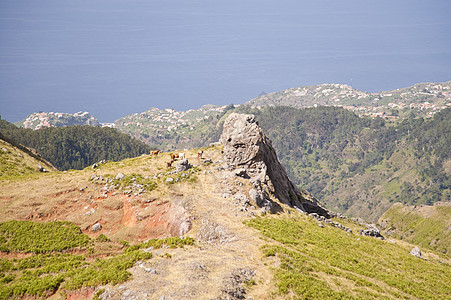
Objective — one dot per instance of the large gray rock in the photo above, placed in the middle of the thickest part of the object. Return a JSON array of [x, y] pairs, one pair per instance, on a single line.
[[247, 147]]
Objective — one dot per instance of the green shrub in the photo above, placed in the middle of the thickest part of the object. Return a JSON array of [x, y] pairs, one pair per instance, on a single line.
[[103, 271], [102, 238], [28, 236], [173, 242], [128, 181]]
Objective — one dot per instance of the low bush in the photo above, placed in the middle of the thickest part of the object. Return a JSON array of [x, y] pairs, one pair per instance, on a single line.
[[28, 236], [49, 269]]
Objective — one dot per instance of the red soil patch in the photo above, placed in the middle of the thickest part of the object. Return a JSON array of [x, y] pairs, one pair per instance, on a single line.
[[85, 293], [61, 193], [129, 218]]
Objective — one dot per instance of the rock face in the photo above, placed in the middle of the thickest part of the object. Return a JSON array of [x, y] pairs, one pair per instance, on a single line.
[[247, 147]]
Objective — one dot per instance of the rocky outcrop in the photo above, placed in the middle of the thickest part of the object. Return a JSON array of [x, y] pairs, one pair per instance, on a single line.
[[247, 148]]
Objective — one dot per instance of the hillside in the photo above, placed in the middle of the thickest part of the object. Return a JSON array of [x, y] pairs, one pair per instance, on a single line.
[[423, 99], [361, 166], [226, 242], [170, 129], [51, 119], [357, 166], [16, 161], [427, 226], [76, 147]]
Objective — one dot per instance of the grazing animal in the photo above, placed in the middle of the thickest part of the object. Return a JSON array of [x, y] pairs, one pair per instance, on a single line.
[[200, 153], [174, 156], [155, 152], [182, 155], [169, 163]]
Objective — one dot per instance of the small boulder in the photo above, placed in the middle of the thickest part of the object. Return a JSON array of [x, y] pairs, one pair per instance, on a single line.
[[416, 252], [120, 176], [241, 172], [182, 165], [96, 227], [42, 169], [169, 180]]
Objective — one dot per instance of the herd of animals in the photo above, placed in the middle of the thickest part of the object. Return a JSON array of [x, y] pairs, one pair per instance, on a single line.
[[175, 156]]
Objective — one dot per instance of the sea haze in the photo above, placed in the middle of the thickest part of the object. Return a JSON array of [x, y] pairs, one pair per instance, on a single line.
[[114, 58]]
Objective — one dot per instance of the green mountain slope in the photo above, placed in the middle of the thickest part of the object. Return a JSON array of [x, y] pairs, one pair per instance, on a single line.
[[76, 147], [357, 166], [360, 166], [426, 226], [18, 162]]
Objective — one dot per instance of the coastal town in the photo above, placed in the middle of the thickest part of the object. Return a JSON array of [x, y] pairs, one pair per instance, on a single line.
[[419, 100]]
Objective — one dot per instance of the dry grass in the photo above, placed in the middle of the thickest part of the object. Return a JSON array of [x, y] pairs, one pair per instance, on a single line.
[[224, 243], [71, 195]]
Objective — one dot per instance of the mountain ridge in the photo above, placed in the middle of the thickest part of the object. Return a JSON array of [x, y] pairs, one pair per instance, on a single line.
[[380, 104], [214, 240]]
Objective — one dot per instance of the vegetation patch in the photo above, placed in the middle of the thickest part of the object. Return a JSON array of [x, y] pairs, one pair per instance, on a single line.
[[76, 147], [134, 181], [328, 263], [409, 224], [172, 242], [28, 236], [50, 269]]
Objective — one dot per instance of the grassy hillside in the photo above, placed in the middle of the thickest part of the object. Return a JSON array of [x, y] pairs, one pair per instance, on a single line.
[[229, 247], [312, 262], [427, 226], [64, 258], [18, 162]]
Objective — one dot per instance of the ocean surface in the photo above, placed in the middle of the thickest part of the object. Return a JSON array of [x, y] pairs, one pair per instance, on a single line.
[[114, 58]]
